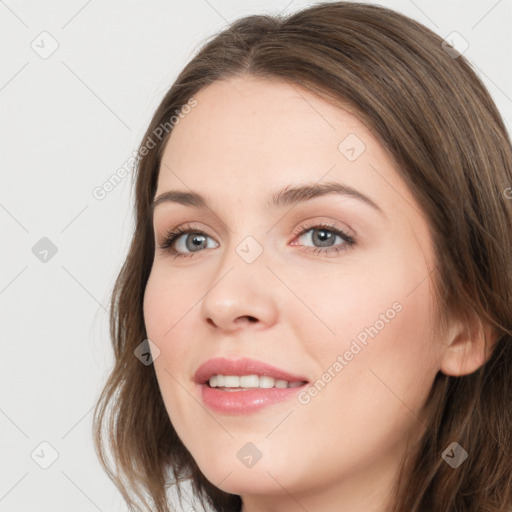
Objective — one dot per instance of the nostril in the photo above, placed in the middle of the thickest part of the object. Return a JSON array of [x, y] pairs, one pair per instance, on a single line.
[[246, 318]]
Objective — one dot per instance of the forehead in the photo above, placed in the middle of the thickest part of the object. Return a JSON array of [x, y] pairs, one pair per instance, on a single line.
[[253, 136], [243, 118]]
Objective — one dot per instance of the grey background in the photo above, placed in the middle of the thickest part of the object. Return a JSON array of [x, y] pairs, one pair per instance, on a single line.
[[68, 121]]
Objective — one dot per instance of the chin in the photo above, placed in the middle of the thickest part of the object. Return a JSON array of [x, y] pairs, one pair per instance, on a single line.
[[233, 477]]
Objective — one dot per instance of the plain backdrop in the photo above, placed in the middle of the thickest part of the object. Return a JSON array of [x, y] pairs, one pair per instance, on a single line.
[[79, 82]]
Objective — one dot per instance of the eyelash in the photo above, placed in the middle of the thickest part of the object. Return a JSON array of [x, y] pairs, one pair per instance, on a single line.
[[348, 241]]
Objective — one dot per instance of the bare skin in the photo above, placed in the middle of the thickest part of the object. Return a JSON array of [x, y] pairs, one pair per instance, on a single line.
[[339, 449]]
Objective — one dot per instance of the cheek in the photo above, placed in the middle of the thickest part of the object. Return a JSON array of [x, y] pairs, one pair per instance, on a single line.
[[376, 370], [156, 303], [168, 310], [168, 313], [360, 302], [371, 332], [167, 301]]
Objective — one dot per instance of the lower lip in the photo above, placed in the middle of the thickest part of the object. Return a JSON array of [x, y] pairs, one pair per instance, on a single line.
[[245, 401]]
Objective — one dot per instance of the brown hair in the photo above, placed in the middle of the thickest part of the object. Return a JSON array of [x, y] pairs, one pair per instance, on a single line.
[[431, 112]]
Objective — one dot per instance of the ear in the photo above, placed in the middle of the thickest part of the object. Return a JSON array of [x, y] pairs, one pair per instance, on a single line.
[[465, 347]]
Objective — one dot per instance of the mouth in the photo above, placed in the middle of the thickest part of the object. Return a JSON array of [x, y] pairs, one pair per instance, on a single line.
[[245, 385]]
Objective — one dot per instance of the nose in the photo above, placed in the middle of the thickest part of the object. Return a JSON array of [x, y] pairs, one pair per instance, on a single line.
[[241, 295]]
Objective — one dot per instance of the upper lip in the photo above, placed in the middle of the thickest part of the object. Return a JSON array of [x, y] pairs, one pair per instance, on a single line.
[[243, 366]]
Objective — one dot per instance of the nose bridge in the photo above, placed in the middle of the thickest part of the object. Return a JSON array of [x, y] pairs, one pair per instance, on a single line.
[[241, 287], [248, 242]]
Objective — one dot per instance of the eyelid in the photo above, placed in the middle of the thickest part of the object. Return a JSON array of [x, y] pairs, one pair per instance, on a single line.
[[329, 224], [181, 229]]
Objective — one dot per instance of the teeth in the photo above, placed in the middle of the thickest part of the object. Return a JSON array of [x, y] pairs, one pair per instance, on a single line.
[[250, 381], [266, 382], [231, 381]]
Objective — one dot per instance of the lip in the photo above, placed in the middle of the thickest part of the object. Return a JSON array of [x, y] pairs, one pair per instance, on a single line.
[[247, 401]]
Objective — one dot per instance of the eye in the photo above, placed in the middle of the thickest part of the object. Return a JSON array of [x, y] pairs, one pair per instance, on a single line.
[[325, 236], [178, 241], [187, 240]]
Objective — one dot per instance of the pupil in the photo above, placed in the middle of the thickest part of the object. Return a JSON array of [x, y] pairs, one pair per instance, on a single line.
[[197, 240], [324, 236]]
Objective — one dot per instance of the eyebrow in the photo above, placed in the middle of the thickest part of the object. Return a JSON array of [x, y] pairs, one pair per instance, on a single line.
[[289, 196]]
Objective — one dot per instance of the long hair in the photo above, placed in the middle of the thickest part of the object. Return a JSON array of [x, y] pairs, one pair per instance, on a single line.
[[433, 115]]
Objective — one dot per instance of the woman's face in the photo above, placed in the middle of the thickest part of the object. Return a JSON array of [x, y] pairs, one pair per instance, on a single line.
[[349, 313]]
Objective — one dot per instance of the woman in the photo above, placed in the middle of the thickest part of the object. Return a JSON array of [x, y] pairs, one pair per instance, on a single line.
[[341, 339]]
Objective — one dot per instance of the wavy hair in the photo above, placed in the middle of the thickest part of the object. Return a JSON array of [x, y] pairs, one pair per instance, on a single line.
[[429, 109]]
